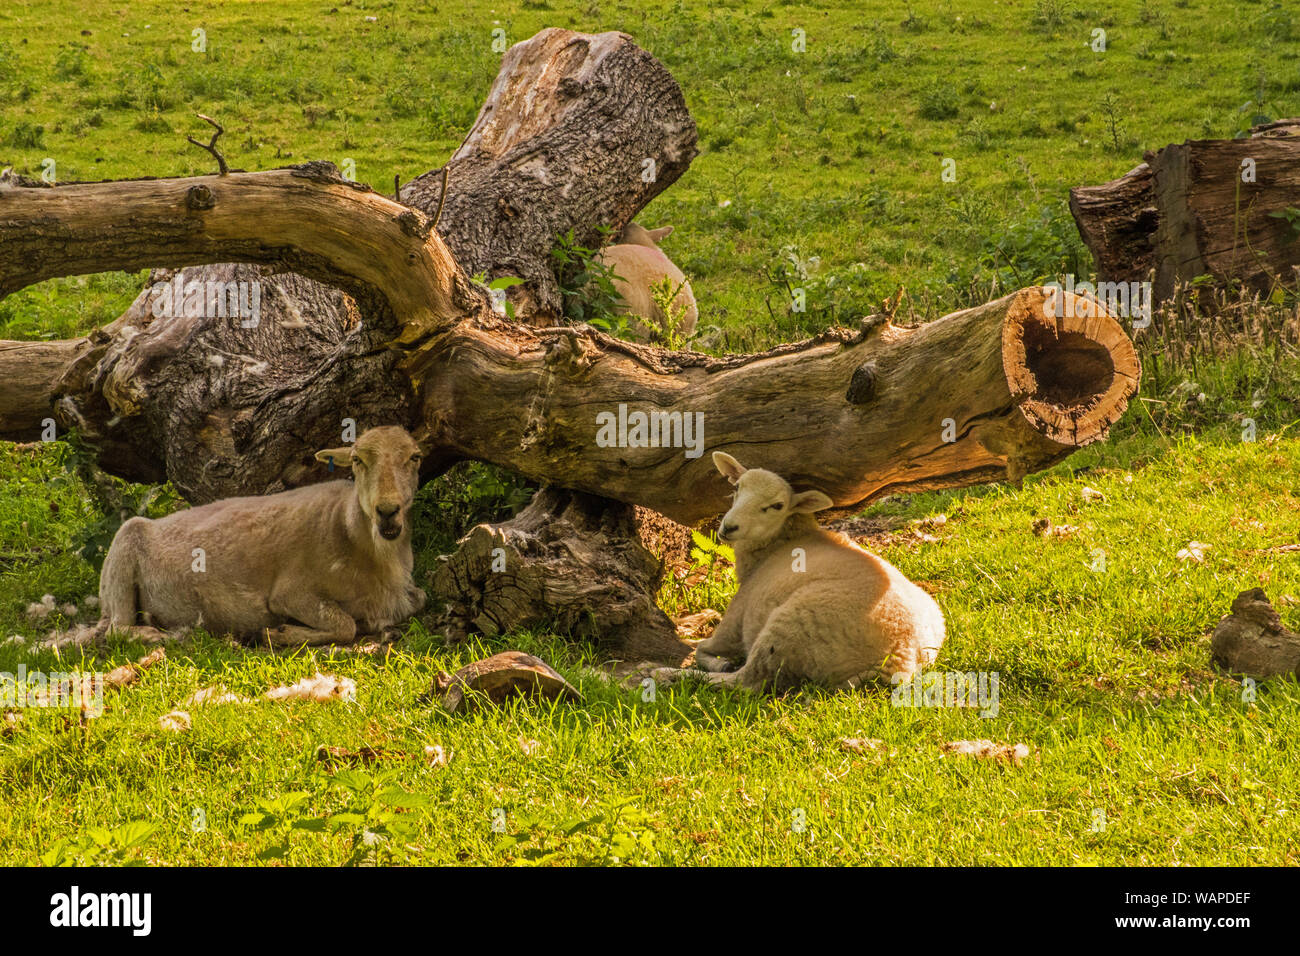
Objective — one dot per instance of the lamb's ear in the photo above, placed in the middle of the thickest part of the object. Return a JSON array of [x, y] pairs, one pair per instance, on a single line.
[[730, 468], [808, 502], [663, 232], [342, 456]]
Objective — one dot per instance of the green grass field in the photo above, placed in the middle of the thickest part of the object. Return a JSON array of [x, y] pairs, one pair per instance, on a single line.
[[827, 161]]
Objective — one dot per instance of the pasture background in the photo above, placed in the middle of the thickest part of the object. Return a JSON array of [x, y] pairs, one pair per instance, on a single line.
[[826, 161]]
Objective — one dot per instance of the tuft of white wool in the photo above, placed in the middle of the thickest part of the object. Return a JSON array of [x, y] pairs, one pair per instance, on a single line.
[[177, 721], [812, 605], [319, 687], [40, 610], [217, 694]]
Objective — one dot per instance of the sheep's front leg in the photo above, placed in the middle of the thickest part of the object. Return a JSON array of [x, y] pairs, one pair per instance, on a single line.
[[725, 641], [323, 622], [417, 598]]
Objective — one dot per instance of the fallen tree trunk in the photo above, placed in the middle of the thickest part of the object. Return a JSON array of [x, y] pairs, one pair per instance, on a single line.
[[369, 316], [855, 412], [1200, 208]]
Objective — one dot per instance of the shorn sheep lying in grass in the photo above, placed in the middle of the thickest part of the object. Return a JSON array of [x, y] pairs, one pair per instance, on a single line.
[[639, 267], [315, 565], [812, 605]]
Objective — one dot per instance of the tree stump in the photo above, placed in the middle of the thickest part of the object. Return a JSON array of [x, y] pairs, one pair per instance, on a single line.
[[569, 560], [1204, 207]]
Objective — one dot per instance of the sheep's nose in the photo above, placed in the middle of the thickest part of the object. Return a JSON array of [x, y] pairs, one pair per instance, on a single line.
[[386, 512], [728, 530]]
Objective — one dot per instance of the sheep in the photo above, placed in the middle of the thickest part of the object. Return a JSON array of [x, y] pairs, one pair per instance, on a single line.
[[812, 606], [314, 565], [639, 266]]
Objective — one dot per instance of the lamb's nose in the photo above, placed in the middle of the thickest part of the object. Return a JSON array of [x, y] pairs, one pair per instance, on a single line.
[[387, 512], [728, 530]]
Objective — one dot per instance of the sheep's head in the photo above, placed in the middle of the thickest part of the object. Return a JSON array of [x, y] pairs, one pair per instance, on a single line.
[[762, 504], [639, 235], [386, 465]]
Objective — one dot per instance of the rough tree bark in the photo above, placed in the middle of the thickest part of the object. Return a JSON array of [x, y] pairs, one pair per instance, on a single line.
[[1195, 209], [991, 392]]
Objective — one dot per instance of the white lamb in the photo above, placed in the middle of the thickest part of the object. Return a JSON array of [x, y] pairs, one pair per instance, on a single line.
[[639, 267], [812, 605]]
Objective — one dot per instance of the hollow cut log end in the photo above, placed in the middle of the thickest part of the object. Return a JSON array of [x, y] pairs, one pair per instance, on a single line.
[[1069, 365]]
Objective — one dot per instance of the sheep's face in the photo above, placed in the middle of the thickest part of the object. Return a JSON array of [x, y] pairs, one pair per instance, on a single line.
[[762, 503], [386, 465]]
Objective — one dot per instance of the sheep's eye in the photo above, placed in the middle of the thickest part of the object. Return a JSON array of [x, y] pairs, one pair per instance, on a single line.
[[415, 459], [774, 507]]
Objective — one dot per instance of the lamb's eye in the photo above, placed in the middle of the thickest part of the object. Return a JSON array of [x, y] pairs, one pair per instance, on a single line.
[[415, 459], [774, 507]]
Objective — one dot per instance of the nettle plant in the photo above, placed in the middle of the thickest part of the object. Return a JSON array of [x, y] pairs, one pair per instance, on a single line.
[[822, 298], [664, 294], [587, 285], [380, 817], [497, 289], [618, 833], [101, 846]]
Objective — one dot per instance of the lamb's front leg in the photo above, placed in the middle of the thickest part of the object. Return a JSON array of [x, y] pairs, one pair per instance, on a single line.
[[667, 676], [725, 641], [325, 622]]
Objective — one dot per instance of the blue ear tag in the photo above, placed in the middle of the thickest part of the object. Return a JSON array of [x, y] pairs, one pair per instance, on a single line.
[[331, 463]]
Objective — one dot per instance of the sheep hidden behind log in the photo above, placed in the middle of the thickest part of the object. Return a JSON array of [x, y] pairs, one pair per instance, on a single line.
[[641, 269], [315, 565]]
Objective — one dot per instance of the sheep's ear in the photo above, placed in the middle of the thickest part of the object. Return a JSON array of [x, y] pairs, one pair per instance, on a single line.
[[342, 456], [663, 232], [730, 468], [808, 502]]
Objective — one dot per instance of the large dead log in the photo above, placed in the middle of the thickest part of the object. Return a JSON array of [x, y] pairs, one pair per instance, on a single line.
[[1200, 208], [997, 391]]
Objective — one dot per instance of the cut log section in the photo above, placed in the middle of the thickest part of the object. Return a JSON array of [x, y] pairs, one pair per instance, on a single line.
[[497, 679], [1252, 642], [568, 561], [1200, 208]]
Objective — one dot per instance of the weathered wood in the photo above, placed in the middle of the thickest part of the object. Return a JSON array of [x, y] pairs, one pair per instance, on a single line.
[[1252, 641], [1118, 221], [224, 410], [997, 391], [1199, 208], [569, 561], [579, 131], [498, 678]]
